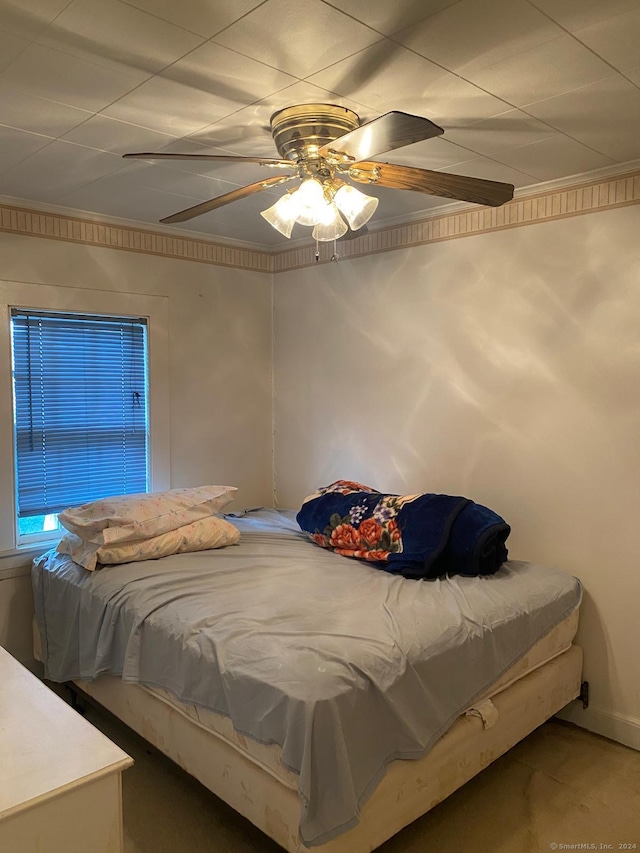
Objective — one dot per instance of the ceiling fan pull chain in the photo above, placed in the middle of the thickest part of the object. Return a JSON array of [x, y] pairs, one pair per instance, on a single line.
[[317, 250], [335, 257]]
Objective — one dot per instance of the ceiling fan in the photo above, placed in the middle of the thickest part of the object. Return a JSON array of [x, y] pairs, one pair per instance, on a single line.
[[321, 145]]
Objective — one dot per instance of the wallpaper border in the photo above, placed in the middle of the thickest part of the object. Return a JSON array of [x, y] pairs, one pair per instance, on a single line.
[[578, 199], [74, 229]]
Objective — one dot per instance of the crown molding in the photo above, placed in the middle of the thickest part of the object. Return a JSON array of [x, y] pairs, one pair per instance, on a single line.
[[595, 192], [119, 221], [57, 225], [538, 204]]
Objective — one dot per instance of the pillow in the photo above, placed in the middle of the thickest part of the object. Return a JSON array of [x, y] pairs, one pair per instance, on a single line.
[[417, 536], [125, 518], [210, 532]]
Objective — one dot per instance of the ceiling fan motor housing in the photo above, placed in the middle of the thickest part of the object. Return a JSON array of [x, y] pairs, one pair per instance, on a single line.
[[300, 131]]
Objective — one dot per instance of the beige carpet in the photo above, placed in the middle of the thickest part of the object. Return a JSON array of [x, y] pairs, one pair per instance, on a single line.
[[560, 786]]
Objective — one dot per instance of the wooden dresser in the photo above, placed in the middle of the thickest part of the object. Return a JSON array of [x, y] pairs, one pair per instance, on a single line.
[[60, 778]]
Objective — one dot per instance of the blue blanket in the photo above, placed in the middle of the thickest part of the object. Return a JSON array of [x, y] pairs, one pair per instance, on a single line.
[[417, 536]]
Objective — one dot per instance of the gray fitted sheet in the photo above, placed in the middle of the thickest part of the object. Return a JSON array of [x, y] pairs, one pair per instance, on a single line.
[[343, 665]]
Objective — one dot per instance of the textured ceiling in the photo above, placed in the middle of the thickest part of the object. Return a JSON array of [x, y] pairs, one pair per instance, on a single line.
[[526, 90]]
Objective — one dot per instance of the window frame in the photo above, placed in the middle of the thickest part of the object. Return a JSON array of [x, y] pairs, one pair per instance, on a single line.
[[82, 301], [20, 314]]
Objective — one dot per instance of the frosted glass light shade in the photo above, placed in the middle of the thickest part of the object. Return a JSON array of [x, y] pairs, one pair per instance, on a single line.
[[332, 225], [309, 205], [282, 215], [357, 207], [311, 202]]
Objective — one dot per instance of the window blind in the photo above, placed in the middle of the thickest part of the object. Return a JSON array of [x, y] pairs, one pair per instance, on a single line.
[[80, 408]]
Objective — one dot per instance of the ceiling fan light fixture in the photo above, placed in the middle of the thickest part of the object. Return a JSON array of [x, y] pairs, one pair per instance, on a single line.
[[282, 215], [355, 206], [319, 142], [332, 225]]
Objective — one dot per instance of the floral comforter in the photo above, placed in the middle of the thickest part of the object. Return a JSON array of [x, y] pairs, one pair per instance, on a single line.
[[417, 536]]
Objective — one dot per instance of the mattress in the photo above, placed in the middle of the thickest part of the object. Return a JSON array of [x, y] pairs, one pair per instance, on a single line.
[[268, 756], [408, 788], [343, 667]]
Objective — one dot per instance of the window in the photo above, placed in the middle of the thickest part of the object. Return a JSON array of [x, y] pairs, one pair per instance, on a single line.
[[80, 412]]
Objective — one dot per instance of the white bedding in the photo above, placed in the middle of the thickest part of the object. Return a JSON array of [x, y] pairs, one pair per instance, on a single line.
[[344, 666]]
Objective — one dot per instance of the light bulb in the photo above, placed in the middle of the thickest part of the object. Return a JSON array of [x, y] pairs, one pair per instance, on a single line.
[[357, 207], [282, 215], [311, 202], [331, 226]]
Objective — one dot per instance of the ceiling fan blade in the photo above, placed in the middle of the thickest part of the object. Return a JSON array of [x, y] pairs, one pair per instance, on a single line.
[[223, 158], [392, 130], [459, 187], [227, 198]]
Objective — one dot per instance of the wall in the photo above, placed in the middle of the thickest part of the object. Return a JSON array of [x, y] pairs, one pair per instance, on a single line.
[[218, 382], [500, 366], [503, 366]]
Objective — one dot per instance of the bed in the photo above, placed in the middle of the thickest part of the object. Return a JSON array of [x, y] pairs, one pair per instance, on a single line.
[[327, 701]]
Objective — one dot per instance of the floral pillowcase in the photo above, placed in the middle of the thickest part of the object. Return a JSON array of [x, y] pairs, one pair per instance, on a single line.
[[202, 535], [127, 518]]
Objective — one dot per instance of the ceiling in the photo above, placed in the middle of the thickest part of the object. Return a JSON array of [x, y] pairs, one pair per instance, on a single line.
[[527, 91]]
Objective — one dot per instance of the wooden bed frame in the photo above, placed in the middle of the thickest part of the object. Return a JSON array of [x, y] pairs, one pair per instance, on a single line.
[[408, 789]]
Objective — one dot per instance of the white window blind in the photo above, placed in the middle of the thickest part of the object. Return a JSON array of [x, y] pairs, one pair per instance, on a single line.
[[80, 394]]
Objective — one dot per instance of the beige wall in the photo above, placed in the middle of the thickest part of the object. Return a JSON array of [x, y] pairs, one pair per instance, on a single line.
[[501, 366], [16, 610], [504, 367], [218, 382], [219, 351]]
